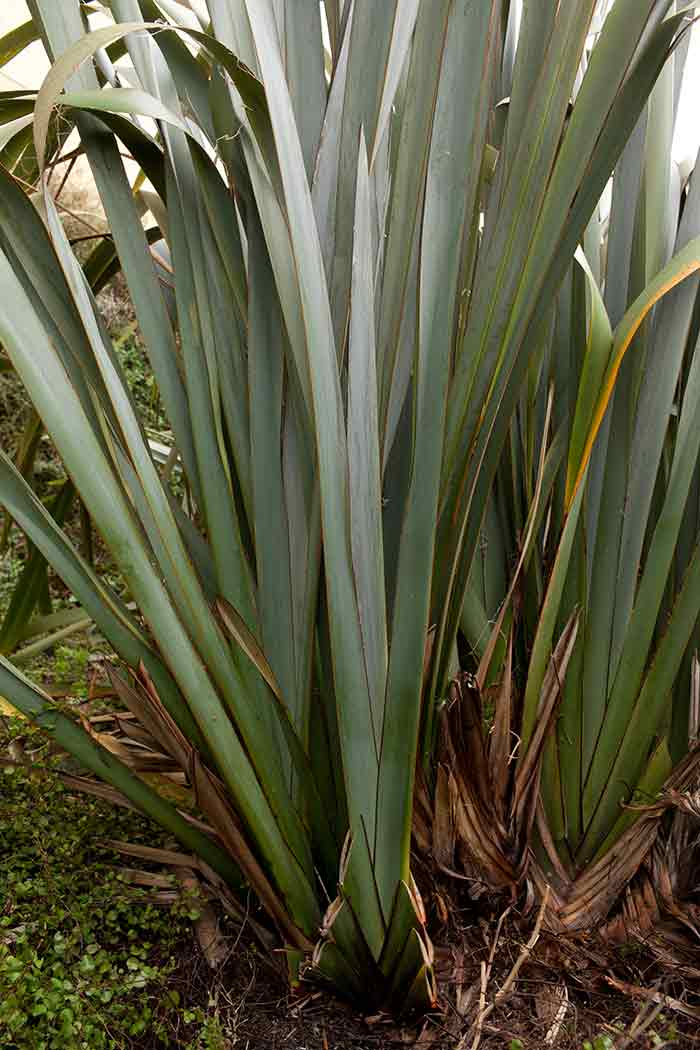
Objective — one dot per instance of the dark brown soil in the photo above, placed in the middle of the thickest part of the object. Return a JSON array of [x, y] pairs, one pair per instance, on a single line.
[[575, 981]]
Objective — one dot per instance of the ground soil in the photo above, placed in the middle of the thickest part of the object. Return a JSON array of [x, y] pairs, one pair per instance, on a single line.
[[257, 1012]]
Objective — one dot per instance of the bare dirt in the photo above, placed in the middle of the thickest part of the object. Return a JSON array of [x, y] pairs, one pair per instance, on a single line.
[[565, 996]]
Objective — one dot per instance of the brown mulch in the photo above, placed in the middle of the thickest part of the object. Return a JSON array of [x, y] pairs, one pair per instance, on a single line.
[[562, 994]]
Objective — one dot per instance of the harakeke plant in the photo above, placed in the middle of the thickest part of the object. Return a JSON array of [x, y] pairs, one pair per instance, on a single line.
[[595, 505], [367, 247]]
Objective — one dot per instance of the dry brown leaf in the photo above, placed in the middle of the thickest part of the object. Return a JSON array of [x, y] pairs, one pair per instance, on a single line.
[[551, 1004], [206, 927]]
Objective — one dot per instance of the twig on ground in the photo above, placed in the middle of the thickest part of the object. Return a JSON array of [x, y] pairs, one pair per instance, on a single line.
[[505, 989], [644, 1019], [653, 996], [482, 1007], [485, 975], [554, 1029]]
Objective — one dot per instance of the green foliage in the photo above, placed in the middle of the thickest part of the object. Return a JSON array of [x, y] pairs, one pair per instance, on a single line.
[[11, 569], [85, 960], [140, 378], [69, 664], [211, 1035], [601, 1042]]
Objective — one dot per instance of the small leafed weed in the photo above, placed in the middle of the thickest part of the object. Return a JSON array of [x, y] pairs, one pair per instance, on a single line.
[[139, 376], [601, 1042], [84, 958], [210, 1036]]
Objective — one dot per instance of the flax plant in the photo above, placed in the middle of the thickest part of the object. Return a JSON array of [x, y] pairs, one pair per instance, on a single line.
[[372, 232]]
